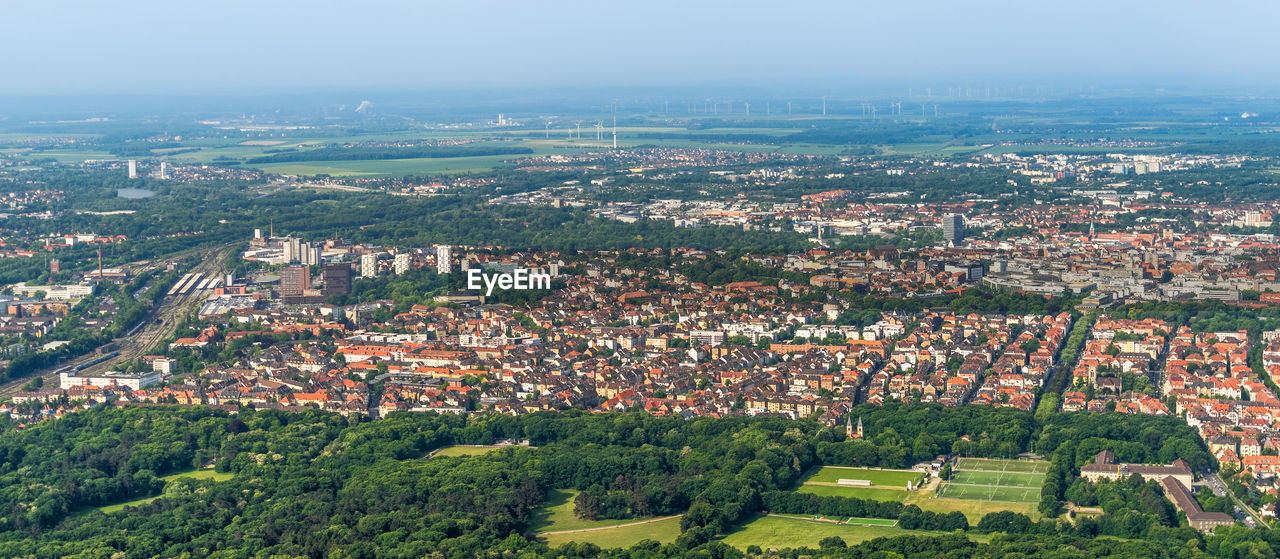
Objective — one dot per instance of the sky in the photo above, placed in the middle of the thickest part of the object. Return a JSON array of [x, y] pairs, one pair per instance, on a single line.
[[277, 46]]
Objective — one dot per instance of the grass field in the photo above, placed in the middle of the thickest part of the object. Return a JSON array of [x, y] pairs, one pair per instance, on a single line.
[[207, 473], [1010, 479], [997, 465], [870, 521], [556, 514], [974, 510], [996, 480], [461, 450], [890, 478], [886, 485], [992, 493], [663, 531], [774, 531], [874, 493]]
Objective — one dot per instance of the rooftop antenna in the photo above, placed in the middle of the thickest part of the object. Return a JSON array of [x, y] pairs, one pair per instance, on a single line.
[[615, 132]]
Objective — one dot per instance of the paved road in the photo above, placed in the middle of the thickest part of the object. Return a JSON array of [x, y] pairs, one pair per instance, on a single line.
[[1216, 484]]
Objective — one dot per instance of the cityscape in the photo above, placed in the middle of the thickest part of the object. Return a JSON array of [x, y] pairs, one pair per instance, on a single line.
[[781, 306]]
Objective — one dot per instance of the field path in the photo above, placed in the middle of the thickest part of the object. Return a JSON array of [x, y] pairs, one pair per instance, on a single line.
[[610, 527]]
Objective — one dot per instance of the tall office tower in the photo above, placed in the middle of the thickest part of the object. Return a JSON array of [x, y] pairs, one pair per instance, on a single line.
[[257, 234], [368, 265], [401, 264], [444, 259], [164, 170], [953, 228], [292, 249], [310, 254], [294, 280], [133, 169], [337, 279]]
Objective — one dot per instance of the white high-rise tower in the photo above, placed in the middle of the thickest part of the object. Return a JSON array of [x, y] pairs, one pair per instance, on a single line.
[[444, 259]]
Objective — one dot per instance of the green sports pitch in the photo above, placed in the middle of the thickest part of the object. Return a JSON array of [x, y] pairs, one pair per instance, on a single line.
[[988, 479], [998, 465], [879, 478], [886, 485]]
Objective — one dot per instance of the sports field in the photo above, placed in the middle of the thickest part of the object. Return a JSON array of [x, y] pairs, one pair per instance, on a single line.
[[873, 493], [877, 477], [987, 479], [779, 531], [998, 465], [972, 509], [886, 485]]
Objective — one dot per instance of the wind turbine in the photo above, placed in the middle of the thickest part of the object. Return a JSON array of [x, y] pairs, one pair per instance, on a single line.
[[824, 105], [547, 130], [615, 132], [748, 105], [599, 130]]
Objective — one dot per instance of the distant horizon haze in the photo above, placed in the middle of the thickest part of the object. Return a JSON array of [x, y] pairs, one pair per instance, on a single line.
[[77, 47]]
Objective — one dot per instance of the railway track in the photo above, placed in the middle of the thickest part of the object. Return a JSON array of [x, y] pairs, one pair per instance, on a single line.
[[155, 327]]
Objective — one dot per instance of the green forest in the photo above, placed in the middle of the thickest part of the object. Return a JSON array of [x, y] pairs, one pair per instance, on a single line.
[[318, 484]]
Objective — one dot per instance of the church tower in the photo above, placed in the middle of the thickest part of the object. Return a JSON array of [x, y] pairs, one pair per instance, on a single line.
[[849, 431]]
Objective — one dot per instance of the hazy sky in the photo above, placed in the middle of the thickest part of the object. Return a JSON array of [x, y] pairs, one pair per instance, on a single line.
[[191, 46]]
